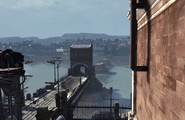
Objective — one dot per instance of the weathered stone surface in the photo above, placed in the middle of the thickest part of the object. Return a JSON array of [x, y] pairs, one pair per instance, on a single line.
[[162, 96]]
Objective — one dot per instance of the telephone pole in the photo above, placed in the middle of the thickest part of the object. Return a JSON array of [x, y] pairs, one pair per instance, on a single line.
[[110, 91]]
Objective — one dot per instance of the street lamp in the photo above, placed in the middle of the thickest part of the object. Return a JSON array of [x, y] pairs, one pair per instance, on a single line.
[[59, 61], [56, 59], [58, 72], [53, 62]]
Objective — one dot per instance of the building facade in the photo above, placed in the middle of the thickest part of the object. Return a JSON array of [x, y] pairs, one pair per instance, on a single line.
[[81, 56], [158, 45]]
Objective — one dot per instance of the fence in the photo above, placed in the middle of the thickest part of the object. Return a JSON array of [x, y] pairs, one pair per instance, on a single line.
[[97, 111]]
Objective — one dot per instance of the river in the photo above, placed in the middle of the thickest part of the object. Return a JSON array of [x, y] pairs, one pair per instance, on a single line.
[[119, 78], [42, 73]]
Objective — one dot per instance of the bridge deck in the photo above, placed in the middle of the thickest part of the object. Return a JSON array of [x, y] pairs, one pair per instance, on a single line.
[[73, 84], [48, 98]]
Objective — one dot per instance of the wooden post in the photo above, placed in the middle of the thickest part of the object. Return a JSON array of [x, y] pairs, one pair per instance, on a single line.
[[28, 96], [111, 90], [116, 111], [63, 104], [42, 113], [57, 100]]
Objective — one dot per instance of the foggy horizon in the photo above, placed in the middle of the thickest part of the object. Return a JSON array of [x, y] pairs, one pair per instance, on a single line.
[[62, 35]]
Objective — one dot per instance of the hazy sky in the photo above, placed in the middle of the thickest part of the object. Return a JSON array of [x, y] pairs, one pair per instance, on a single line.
[[49, 18]]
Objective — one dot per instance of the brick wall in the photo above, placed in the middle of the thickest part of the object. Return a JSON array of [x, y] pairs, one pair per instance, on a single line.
[[161, 90]]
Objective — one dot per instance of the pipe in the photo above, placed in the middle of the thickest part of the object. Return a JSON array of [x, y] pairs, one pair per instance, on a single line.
[[134, 92], [133, 30], [133, 52]]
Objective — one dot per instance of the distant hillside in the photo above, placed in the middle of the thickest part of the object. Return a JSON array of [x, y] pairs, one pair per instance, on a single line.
[[90, 36], [72, 36], [49, 40], [17, 39]]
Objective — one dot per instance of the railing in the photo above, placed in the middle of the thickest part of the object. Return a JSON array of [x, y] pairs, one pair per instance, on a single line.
[[97, 111], [72, 98]]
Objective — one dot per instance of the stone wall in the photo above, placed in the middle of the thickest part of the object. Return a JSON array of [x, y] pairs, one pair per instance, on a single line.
[[161, 90]]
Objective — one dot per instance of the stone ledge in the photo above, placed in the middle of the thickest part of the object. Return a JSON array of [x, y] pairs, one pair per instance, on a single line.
[[158, 7]]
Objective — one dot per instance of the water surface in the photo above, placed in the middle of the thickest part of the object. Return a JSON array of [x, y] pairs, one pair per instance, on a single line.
[[119, 78], [121, 81], [41, 73]]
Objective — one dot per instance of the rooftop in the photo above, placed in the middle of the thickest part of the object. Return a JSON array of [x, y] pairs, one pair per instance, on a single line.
[[81, 46]]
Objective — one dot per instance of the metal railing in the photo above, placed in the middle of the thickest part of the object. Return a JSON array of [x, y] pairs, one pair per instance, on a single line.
[[97, 111]]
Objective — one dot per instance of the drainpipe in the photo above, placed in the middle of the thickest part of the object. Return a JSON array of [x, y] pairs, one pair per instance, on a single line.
[[134, 83], [133, 52], [133, 30]]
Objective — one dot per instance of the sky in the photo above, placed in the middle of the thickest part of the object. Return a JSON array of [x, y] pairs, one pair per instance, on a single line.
[[50, 18]]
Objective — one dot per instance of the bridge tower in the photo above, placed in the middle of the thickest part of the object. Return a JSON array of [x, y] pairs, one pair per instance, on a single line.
[[81, 58]]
